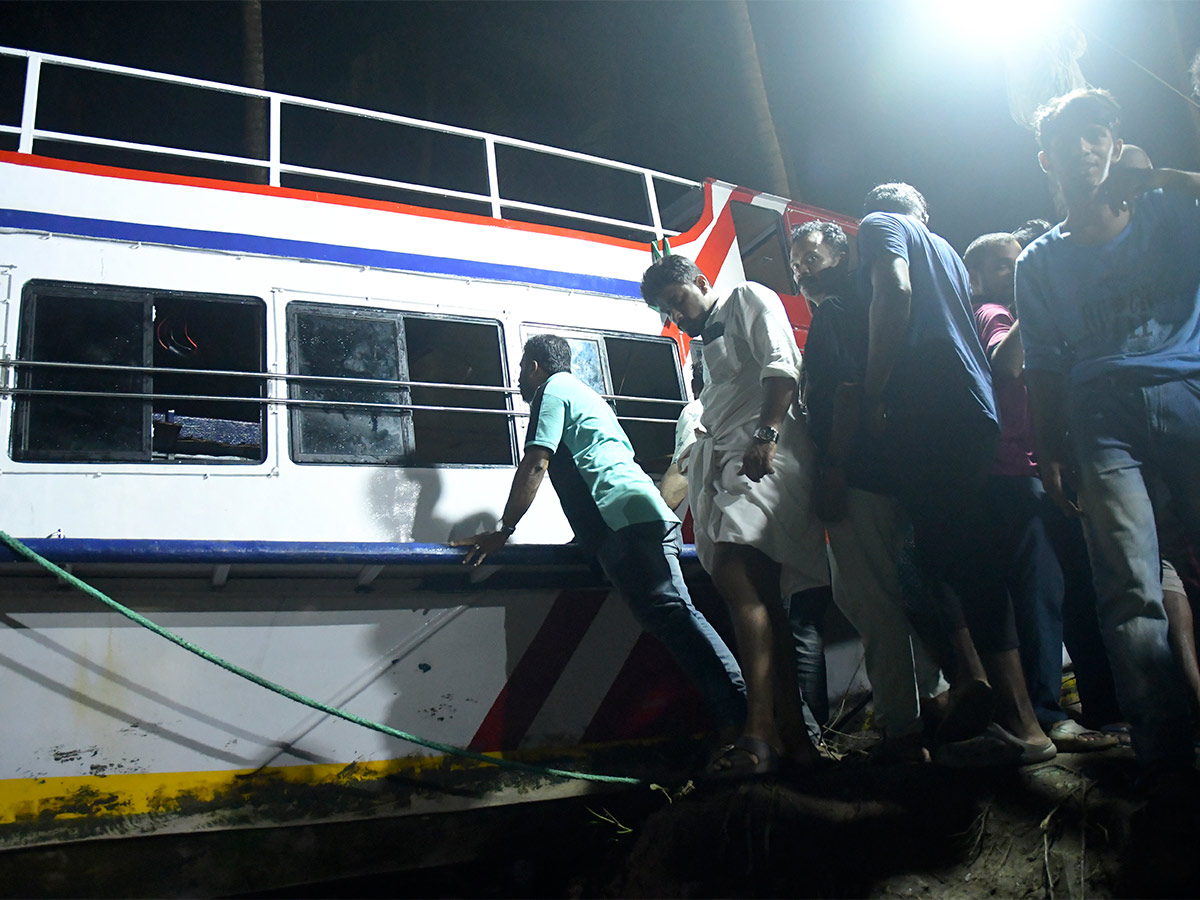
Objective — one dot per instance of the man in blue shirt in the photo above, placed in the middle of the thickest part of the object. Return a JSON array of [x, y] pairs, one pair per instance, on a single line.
[[928, 390], [1111, 328], [615, 511]]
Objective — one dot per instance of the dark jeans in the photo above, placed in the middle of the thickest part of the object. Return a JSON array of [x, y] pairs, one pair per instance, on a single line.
[[1081, 624], [806, 612], [940, 465], [642, 562], [1030, 570]]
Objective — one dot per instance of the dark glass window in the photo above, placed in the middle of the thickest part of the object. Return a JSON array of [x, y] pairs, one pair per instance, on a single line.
[[455, 352], [650, 369], [360, 422], [377, 365], [764, 244], [117, 344]]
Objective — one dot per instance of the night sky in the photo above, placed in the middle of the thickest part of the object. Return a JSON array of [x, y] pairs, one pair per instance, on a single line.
[[859, 91]]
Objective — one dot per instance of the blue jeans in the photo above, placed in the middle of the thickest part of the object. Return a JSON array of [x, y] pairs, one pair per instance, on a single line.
[[1081, 625], [806, 613], [642, 562], [1135, 446], [1031, 572]]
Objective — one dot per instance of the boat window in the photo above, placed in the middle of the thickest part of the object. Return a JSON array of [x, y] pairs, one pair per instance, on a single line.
[[585, 362], [648, 369], [640, 377], [381, 387], [137, 375], [458, 352], [764, 245]]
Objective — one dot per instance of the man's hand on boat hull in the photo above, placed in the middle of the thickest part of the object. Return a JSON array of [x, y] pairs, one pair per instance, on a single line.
[[481, 545]]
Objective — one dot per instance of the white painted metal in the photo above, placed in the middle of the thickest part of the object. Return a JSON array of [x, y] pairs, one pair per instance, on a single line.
[[66, 138], [275, 129], [652, 202], [33, 74], [489, 145], [384, 182], [275, 165]]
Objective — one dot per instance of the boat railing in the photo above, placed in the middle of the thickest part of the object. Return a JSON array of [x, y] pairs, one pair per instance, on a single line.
[[275, 164], [265, 379]]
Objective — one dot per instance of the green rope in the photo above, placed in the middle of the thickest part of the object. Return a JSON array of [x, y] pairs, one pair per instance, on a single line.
[[17, 547]]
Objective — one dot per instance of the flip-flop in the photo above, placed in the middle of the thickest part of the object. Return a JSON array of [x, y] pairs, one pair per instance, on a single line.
[[997, 746], [748, 757], [1071, 737], [968, 713], [1123, 731]]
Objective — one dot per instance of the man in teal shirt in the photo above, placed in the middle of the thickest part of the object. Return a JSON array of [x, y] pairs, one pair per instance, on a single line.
[[615, 511]]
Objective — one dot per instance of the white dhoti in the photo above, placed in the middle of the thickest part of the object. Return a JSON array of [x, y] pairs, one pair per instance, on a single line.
[[747, 340], [774, 516]]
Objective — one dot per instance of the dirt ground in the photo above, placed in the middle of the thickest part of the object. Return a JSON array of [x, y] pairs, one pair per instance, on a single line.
[[1078, 826], [1074, 827]]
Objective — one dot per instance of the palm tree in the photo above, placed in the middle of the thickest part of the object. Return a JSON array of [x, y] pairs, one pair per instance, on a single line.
[[747, 70], [253, 75]]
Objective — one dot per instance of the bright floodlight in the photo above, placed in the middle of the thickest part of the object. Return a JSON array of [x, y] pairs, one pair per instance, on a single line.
[[1005, 27]]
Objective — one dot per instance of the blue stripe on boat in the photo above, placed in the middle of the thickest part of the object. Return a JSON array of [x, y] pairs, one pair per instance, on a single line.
[[358, 256], [100, 550]]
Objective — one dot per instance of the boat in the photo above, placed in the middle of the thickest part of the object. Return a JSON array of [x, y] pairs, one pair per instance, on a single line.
[[253, 399]]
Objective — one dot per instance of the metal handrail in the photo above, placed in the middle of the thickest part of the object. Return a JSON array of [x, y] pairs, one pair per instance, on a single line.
[[275, 166], [292, 401], [282, 401], [335, 380]]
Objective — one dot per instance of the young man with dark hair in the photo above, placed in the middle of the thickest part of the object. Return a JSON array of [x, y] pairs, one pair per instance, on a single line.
[[1110, 321], [615, 511], [749, 483], [1029, 232], [865, 524], [927, 390]]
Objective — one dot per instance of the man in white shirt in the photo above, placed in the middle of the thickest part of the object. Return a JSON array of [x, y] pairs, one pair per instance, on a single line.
[[749, 484]]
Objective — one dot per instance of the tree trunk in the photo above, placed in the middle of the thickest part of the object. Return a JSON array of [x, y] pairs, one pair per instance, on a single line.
[[253, 75], [748, 72]]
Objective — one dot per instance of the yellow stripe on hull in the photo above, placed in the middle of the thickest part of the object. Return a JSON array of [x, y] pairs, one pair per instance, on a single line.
[[166, 793]]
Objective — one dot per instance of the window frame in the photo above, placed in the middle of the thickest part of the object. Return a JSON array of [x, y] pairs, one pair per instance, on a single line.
[[35, 289], [409, 436]]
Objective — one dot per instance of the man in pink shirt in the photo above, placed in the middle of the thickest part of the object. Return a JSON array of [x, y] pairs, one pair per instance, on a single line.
[[1019, 540]]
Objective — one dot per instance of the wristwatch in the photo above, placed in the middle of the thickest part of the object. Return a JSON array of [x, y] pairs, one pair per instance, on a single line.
[[505, 529], [766, 435]]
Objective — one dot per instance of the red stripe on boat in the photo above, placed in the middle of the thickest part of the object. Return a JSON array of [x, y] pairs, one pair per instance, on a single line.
[[649, 698], [522, 698], [716, 248]]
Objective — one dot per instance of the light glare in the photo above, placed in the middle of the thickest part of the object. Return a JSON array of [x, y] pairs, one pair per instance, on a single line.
[[1010, 26]]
